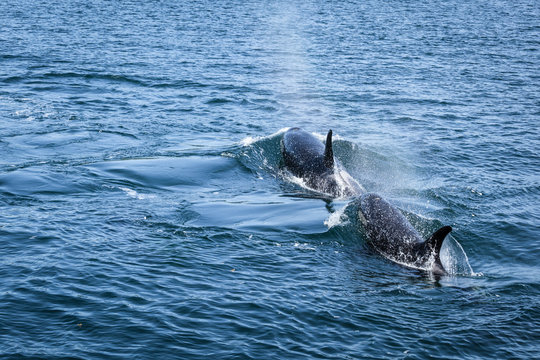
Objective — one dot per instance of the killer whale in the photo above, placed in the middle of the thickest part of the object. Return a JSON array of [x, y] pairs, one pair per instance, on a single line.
[[391, 234], [308, 158]]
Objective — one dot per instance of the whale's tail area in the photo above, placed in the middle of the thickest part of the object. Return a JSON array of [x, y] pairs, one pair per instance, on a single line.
[[328, 152], [433, 246]]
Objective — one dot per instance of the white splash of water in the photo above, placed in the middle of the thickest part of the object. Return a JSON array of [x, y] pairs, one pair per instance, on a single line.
[[303, 246], [454, 258], [336, 218], [322, 137], [134, 194], [288, 176], [247, 141], [345, 180]]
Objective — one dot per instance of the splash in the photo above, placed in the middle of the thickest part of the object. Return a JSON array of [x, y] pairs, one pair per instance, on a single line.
[[322, 137], [337, 218], [134, 194], [454, 258], [345, 181], [250, 140]]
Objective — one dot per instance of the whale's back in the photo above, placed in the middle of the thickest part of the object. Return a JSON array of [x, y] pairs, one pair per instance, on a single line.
[[303, 153], [391, 234], [388, 230]]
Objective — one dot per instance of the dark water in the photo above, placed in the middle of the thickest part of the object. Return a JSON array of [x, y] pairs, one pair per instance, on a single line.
[[144, 215]]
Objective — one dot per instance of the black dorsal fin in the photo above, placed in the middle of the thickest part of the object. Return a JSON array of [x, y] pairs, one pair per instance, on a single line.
[[436, 240], [328, 152]]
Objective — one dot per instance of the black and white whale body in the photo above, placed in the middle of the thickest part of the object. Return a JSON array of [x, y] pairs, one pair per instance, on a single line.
[[308, 158], [389, 232]]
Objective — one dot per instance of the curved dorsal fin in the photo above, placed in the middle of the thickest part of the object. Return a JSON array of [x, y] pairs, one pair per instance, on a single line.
[[328, 152], [436, 240]]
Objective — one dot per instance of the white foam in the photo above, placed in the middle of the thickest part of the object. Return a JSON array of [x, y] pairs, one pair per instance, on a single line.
[[295, 179], [134, 194], [322, 137], [454, 258], [303, 246], [336, 218], [250, 139], [345, 180]]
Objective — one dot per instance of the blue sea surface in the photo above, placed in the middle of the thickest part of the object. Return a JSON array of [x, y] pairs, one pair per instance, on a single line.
[[144, 212]]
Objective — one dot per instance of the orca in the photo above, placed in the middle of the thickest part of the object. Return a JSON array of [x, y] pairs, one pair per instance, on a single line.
[[308, 158], [391, 234]]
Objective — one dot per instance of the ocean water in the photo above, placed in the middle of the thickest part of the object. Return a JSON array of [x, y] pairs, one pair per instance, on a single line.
[[144, 213]]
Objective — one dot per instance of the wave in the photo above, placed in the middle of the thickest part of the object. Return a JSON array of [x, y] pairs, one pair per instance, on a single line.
[[88, 76]]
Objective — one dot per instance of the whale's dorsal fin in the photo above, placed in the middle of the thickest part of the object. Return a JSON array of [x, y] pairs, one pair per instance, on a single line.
[[328, 152], [436, 240]]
